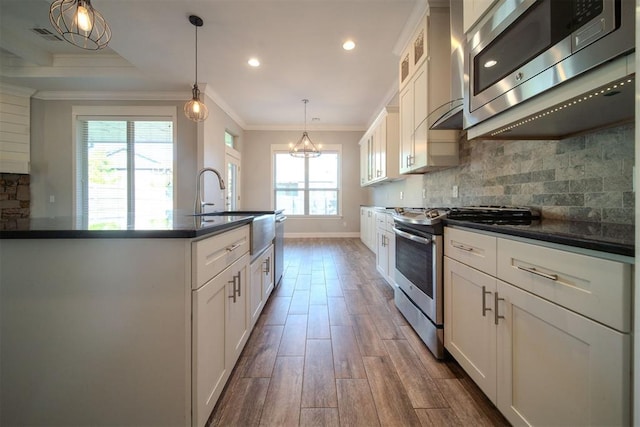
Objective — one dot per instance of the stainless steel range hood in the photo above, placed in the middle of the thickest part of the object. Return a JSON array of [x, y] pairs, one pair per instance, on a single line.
[[449, 115]]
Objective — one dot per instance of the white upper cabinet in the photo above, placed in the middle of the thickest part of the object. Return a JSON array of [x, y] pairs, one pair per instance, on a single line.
[[424, 86], [379, 149]]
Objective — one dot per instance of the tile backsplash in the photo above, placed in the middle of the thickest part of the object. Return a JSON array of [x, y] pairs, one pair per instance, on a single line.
[[583, 178]]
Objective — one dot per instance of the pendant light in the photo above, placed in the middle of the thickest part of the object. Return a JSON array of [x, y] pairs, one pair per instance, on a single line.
[[80, 24], [304, 147], [195, 109]]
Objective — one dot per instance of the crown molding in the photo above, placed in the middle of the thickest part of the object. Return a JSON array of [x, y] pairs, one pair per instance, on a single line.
[[419, 9], [110, 96], [298, 128], [217, 99], [16, 90]]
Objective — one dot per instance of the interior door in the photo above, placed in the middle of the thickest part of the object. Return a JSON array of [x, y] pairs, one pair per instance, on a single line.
[[232, 196]]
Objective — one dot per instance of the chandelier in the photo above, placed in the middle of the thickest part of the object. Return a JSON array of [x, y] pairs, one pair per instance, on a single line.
[[304, 147], [80, 24], [195, 109]]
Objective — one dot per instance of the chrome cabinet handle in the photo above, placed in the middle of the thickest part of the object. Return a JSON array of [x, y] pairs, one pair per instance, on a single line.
[[495, 312], [239, 283], [462, 247], [267, 265], [233, 295], [484, 301], [532, 270], [233, 247]]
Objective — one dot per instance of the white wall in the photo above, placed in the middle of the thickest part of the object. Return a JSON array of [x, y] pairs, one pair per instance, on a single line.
[[197, 145], [257, 185]]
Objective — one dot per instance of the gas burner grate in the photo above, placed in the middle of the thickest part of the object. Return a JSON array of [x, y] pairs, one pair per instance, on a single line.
[[495, 214]]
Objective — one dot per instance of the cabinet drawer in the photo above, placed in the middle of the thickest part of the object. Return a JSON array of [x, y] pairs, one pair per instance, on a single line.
[[474, 249], [596, 288], [211, 256], [381, 220]]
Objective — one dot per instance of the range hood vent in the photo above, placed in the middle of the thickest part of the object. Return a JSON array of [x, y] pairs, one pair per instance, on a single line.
[[449, 115]]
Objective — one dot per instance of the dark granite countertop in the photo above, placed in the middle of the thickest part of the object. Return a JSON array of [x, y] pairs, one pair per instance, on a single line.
[[612, 238], [174, 224]]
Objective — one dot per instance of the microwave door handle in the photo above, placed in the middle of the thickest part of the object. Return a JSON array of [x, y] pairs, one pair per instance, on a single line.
[[415, 238]]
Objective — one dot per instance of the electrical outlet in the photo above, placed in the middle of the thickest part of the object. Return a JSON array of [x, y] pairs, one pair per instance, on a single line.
[[401, 195], [52, 199], [454, 191]]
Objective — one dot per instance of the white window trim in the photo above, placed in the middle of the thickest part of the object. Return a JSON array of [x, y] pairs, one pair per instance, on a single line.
[[125, 112], [284, 148]]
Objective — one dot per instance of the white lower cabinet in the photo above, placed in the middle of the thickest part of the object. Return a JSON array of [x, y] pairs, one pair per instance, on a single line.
[[556, 367], [262, 283], [539, 362], [220, 331], [470, 332], [385, 247]]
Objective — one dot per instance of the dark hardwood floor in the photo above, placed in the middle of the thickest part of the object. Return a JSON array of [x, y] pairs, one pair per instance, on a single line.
[[331, 349]]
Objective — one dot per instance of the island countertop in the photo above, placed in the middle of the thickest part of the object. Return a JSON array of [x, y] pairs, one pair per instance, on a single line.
[[174, 224]]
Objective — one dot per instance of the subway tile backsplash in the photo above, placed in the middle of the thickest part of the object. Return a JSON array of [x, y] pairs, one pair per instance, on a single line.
[[583, 178]]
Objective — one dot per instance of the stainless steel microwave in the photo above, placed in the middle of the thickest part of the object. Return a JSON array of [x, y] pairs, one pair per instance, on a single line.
[[526, 47]]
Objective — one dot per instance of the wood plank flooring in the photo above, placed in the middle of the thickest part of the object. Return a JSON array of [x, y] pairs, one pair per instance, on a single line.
[[330, 349]]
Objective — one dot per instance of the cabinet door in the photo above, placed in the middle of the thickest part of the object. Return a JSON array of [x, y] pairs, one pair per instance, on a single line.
[[237, 321], [382, 253], [209, 358], [267, 274], [406, 128], [556, 367], [420, 112], [363, 163], [256, 301], [469, 325]]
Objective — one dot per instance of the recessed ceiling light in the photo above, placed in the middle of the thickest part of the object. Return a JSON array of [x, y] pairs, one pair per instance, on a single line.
[[349, 45], [254, 62]]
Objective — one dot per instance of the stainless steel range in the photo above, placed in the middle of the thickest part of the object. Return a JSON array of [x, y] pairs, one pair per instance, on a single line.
[[419, 256], [419, 262]]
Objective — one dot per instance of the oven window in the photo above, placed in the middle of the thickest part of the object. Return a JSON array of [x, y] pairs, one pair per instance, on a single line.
[[415, 261], [540, 27]]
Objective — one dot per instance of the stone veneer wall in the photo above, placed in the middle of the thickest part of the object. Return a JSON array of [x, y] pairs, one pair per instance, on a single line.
[[15, 199], [583, 178]]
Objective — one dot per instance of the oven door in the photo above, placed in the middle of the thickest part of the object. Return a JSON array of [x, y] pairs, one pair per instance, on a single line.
[[419, 271], [526, 37]]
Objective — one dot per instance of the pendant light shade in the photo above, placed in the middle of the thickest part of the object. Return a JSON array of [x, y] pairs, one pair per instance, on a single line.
[[195, 109], [304, 147], [80, 24]]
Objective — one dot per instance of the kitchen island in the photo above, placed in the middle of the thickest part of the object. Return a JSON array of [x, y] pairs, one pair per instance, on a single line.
[[96, 325]]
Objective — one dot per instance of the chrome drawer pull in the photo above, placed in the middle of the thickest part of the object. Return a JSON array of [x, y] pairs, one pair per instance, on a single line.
[[462, 247], [484, 301], [233, 247], [532, 270]]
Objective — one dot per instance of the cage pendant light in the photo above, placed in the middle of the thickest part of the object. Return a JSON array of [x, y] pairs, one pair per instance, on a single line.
[[195, 109], [80, 24], [304, 147]]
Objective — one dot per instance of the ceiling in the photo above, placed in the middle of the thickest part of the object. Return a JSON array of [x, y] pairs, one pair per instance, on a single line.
[[152, 53]]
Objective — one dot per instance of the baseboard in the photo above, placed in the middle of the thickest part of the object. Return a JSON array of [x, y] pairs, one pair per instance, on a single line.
[[320, 235]]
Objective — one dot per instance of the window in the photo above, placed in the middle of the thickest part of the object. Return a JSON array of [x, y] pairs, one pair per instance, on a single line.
[[124, 166], [229, 140], [307, 186]]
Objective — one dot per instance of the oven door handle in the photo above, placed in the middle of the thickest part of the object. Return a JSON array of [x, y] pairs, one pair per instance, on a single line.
[[413, 237]]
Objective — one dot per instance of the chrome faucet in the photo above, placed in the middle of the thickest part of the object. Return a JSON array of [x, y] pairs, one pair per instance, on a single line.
[[199, 204]]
